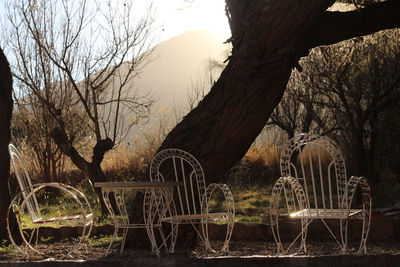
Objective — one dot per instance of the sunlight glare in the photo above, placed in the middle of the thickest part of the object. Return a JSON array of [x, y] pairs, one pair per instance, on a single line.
[[177, 17]]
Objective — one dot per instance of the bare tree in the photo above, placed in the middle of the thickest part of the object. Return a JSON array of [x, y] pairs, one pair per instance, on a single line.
[[196, 92], [79, 59], [346, 88], [357, 81], [31, 131], [199, 87], [296, 112]]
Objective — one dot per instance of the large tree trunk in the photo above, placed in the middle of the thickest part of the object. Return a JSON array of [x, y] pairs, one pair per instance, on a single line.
[[6, 105], [268, 37]]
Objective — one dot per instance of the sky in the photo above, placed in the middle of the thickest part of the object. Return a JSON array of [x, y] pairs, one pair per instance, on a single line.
[[173, 17], [176, 17]]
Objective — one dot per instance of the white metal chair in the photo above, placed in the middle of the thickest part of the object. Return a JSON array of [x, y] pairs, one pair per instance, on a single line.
[[29, 214], [314, 185], [191, 203]]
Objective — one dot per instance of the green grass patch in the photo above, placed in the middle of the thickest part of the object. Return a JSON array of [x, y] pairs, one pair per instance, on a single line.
[[251, 202], [248, 219], [6, 248], [102, 240]]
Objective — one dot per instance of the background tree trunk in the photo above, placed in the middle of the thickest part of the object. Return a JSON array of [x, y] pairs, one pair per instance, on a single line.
[[6, 105]]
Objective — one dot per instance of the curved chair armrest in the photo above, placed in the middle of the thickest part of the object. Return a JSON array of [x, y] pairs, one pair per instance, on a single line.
[[291, 196], [362, 212], [229, 214], [296, 201], [227, 194], [350, 190]]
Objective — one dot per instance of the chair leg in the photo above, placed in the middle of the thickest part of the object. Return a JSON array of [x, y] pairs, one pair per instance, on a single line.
[[304, 230], [206, 237], [229, 231], [37, 236], [124, 239], [85, 235], [174, 235], [112, 240]]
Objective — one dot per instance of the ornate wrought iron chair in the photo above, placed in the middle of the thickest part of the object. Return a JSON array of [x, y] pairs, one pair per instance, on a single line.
[[191, 203], [313, 186], [30, 214]]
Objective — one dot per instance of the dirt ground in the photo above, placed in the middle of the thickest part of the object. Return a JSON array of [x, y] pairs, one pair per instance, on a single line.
[[59, 251], [239, 248]]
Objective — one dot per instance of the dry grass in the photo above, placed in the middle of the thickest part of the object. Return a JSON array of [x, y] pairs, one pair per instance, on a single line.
[[265, 154], [130, 161], [126, 163]]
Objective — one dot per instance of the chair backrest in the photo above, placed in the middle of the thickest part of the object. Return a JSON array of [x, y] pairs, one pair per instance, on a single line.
[[25, 183], [318, 165], [180, 166]]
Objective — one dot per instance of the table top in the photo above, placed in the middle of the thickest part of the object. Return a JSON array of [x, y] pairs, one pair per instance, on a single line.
[[136, 185]]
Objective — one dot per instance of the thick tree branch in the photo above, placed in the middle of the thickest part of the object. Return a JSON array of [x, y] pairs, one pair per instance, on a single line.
[[100, 149], [334, 27], [60, 137]]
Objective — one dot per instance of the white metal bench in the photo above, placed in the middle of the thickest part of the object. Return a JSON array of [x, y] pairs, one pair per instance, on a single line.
[[191, 197], [314, 185], [29, 213]]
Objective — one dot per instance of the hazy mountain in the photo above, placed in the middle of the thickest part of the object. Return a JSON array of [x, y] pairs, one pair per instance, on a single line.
[[167, 77], [179, 60]]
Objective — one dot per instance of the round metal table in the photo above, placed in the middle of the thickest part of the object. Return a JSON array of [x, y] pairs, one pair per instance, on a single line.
[[158, 197]]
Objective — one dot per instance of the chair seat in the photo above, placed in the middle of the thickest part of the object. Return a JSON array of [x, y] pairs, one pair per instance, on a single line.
[[194, 217], [79, 217], [325, 213]]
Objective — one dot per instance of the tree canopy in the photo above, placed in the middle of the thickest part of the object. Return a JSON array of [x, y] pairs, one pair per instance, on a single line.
[[345, 90], [81, 90]]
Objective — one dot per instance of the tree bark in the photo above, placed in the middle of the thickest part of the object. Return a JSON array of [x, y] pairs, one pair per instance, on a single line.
[[265, 38], [268, 38], [6, 106]]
